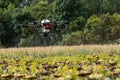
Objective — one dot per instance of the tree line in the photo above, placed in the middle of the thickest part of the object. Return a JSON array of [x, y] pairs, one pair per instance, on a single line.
[[90, 22]]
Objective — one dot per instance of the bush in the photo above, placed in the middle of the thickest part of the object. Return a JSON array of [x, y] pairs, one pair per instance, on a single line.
[[117, 41], [78, 24], [1, 46], [75, 38], [102, 29], [25, 42], [30, 41]]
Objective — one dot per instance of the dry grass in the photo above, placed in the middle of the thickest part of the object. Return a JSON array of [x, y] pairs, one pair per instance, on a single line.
[[55, 49]]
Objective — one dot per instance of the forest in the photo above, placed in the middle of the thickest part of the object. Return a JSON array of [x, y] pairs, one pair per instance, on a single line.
[[90, 22]]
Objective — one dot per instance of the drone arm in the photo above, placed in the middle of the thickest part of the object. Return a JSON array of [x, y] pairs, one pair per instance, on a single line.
[[56, 24]]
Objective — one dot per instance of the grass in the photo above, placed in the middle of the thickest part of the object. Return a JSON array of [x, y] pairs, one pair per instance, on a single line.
[[65, 49]]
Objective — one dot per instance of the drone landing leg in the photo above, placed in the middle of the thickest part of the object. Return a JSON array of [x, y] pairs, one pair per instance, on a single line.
[[45, 34]]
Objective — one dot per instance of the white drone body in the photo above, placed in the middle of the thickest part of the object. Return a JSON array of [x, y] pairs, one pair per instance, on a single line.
[[43, 22]]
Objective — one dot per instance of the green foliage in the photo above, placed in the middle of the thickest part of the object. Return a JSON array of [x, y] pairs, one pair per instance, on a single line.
[[4, 3], [32, 40], [83, 15], [6, 28], [40, 10], [25, 42], [103, 29], [22, 16], [75, 38], [78, 24], [65, 9], [101, 7], [117, 41]]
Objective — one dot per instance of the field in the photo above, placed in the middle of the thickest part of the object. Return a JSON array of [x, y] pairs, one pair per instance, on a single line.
[[84, 62]]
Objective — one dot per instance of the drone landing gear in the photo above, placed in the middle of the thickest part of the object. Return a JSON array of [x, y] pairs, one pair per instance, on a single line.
[[45, 34]]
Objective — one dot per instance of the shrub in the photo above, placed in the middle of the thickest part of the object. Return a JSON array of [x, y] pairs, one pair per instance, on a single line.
[[75, 38], [102, 29], [78, 24]]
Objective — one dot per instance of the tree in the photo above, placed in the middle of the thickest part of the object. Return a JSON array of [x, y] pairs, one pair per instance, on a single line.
[[68, 9], [40, 10], [4, 3], [22, 16], [7, 32], [75, 38], [78, 24], [102, 29]]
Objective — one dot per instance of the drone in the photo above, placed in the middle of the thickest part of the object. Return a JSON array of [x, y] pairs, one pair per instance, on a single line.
[[46, 25]]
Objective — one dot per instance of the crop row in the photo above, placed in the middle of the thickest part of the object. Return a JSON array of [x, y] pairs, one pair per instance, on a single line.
[[78, 67]]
